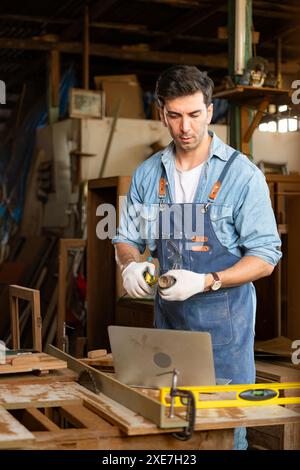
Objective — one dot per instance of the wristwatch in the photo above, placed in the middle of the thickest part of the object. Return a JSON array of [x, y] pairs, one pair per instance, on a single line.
[[217, 283]]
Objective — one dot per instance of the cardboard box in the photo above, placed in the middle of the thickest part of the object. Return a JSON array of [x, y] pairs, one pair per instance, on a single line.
[[125, 88]]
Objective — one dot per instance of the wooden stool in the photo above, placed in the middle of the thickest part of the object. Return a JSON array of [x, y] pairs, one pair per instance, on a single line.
[[32, 296]]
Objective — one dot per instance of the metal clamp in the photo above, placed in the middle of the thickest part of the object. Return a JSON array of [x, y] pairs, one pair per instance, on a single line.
[[187, 399]]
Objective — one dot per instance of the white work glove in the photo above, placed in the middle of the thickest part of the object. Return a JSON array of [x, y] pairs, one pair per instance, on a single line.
[[187, 284], [133, 279]]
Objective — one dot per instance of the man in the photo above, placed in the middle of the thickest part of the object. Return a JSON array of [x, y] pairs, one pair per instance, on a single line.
[[219, 191]]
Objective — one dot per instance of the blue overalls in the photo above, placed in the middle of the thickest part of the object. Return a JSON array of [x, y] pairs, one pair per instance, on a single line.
[[227, 314]]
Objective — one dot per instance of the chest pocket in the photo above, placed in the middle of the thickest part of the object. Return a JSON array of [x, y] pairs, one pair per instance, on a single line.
[[221, 216], [149, 221]]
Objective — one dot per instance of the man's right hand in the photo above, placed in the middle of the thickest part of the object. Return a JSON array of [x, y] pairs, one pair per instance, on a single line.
[[133, 279]]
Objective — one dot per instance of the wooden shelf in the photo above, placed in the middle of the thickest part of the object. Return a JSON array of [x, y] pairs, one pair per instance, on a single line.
[[249, 95], [257, 97]]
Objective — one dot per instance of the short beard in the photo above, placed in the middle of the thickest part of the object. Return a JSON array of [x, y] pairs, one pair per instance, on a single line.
[[191, 146]]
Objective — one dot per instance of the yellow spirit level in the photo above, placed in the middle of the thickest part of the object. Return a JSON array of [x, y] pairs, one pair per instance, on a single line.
[[238, 395]]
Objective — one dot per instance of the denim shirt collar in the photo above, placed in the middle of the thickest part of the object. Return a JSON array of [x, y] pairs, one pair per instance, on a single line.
[[217, 149]]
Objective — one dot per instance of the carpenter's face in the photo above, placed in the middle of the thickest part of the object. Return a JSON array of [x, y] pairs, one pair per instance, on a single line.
[[187, 119]]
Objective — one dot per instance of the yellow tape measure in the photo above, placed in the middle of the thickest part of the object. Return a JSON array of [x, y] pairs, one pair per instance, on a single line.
[[240, 395]]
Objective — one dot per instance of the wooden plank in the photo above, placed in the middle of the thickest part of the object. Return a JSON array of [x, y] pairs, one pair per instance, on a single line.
[[14, 320], [81, 417], [42, 420], [96, 353], [291, 437], [36, 321], [292, 178], [55, 77], [275, 372], [40, 396], [62, 375], [279, 346], [21, 292], [105, 361], [247, 417], [12, 433], [71, 439], [254, 95], [23, 359], [86, 48], [31, 362]]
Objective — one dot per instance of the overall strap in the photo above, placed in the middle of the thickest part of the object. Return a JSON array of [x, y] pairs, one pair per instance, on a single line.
[[162, 187], [216, 188]]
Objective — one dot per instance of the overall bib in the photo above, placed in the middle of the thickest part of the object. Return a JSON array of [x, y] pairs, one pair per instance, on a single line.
[[227, 314]]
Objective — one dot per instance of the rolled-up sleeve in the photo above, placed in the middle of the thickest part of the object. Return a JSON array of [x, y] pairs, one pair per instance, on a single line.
[[255, 221], [129, 226]]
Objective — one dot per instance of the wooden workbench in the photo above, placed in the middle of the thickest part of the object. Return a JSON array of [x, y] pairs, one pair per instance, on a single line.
[[57, 414]]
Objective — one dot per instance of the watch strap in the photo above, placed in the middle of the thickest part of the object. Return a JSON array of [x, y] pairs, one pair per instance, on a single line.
[[215, 276]]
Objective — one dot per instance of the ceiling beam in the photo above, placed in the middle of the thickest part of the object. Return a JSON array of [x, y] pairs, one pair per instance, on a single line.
[[122, 53], [175, 3], [96, 10], [218, 61], [257, 12], [186, 22], [136, 28], [278, 6], [36, 19]]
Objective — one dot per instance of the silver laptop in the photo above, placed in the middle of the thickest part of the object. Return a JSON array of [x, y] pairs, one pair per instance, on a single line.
[[142, 356]]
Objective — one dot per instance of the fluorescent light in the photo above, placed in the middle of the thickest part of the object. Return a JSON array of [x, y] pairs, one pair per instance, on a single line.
[[282, 108]]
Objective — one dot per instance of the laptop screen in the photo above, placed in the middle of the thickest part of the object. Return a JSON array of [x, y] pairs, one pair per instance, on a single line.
[[146, 357]]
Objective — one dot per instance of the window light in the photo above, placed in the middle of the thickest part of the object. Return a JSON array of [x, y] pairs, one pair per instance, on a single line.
[[283, 125], [272, 127], [263, 127], [293, 124]]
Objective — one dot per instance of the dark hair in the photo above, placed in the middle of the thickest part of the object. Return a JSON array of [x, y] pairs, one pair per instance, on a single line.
[[183, 80]]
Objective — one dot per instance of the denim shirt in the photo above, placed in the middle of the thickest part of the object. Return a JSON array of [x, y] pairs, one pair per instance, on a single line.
[[242, 214]]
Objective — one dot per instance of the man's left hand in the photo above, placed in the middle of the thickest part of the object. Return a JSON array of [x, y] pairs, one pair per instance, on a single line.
[[187, 283]]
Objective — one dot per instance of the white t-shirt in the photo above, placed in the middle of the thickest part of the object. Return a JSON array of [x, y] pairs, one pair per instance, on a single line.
[[186, 183]]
